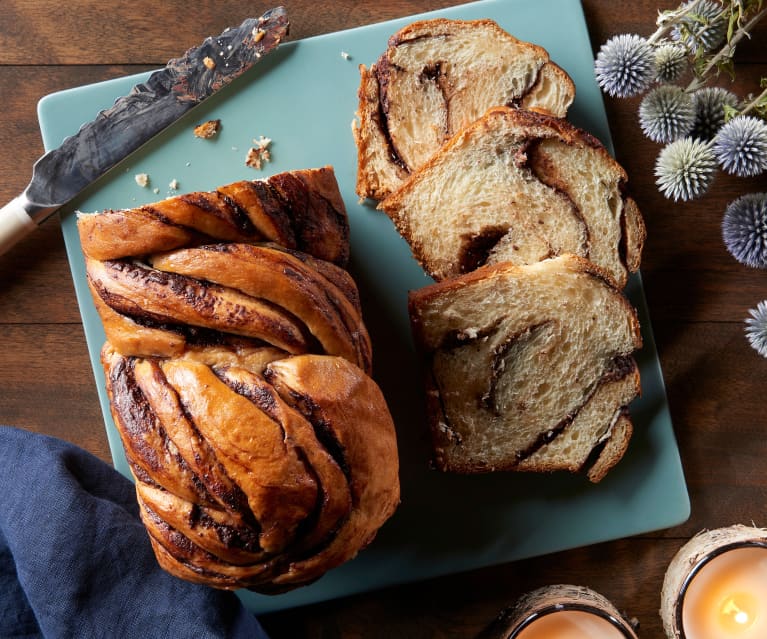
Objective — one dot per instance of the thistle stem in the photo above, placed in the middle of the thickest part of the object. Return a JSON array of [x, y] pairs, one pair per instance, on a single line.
[[726, 51], [667, 21], [746, 109]]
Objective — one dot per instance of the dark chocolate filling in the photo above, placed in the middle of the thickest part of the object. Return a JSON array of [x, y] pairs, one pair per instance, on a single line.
[[199, 295], [475, 250], [381, 71], [616, 369]]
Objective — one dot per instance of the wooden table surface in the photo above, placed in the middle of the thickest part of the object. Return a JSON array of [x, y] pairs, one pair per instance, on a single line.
[[698, 297]]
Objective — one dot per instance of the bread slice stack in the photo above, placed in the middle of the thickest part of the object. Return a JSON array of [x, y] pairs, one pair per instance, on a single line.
[[435, 77], [525, 223]]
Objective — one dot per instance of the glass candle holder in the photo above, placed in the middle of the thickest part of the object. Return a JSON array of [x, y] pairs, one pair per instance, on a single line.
[[716, 586], [560, 611]]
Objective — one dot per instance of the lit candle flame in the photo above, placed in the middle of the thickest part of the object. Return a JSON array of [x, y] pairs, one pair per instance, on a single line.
[[738, 612]]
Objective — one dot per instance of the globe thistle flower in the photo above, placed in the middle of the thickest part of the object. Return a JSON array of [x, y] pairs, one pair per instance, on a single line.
[[744, 229], [625, 65], [666, 114], [709, 106], [685, 169], [756, 328], [741, 146], [699, 27], [670, 62]]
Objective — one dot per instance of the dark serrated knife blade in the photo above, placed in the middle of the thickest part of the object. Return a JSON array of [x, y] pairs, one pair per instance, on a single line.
[[150, 107]]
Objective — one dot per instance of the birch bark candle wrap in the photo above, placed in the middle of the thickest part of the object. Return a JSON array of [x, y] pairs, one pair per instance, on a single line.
[[561, 611], [716, 586]]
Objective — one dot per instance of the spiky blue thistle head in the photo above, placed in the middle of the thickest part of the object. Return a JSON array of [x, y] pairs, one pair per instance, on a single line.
[[625, 66], [756, 328], [703, 26], [744, 229], [685, 169], [666, 114], [741, 146], [670, 62], [709, 104]]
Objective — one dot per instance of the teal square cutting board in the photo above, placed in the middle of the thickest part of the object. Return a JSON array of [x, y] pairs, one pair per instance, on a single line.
[[303, 97]]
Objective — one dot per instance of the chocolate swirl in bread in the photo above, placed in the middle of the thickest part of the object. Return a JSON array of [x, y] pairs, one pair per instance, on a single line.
[[520, 187], [238, 377], [435, 77], [529, 367]]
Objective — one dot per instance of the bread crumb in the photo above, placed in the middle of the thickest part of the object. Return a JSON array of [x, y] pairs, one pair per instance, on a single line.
[[209, 62], [208, 129], [258, 34], [156, 189], [345, 55], [259, 154], [142, 179], [173, 186]]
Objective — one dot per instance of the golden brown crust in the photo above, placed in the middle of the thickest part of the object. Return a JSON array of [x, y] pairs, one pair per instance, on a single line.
[[353, 412], [634, 234], [300, 210], [284, 281], [156, 297], [214, 352], [613, 451], [436, 27], [255, 483]]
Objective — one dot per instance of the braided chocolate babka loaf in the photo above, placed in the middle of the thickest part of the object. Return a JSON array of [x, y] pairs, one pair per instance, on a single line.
[[237, 367]]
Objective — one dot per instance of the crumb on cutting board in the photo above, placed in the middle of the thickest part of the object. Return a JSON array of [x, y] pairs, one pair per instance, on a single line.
[[208, 129], [142, 179], [259, 154]]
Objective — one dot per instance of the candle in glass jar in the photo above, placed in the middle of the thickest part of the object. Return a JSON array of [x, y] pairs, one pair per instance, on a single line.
[[570, 624], [716, 586], [560, 611], [726, 598]]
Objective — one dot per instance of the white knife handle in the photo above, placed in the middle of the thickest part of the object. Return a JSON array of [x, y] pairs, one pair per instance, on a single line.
[[15, 223]]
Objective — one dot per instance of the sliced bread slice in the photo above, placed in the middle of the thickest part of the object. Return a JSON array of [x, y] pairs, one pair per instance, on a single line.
[[436, 77], [528, 367], [521, 187]]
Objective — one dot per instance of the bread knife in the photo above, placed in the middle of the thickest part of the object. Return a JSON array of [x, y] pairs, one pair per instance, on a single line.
[[166, 95]]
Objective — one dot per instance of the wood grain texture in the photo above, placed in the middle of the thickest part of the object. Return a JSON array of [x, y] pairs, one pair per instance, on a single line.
[[698, 298]]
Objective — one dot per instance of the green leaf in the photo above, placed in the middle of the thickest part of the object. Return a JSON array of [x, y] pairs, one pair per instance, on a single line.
[[727, 65], [730, 112], [731, 26]]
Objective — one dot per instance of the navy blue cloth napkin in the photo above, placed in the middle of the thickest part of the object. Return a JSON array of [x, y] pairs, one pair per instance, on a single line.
[[75, 560]]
